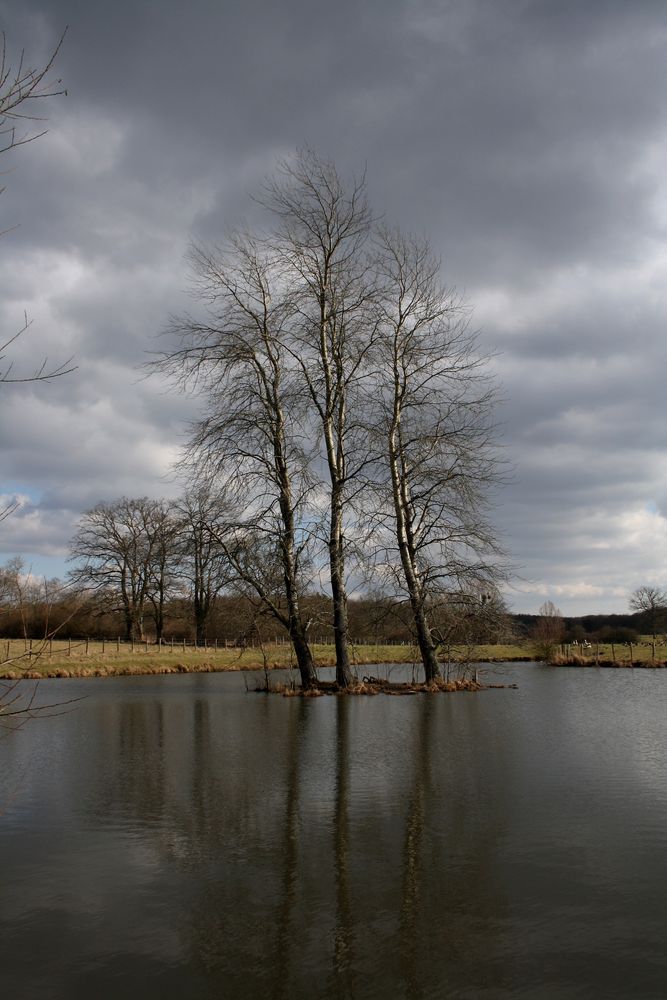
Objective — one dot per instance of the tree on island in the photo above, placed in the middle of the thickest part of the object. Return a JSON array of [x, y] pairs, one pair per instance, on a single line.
[[437, 458], [347, 411]]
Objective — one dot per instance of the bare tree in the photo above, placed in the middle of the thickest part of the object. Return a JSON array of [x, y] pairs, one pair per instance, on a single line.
[[23, 89], [43, 373], [330, 366], [251, 433], [25, 599], [204, 517], [321, 234], [548, 632], [652, 602], [433, 409], [17, 592], [164, 544], [120, 551]]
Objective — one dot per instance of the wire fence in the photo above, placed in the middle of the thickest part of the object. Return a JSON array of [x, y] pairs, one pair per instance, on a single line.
[[86, 645]]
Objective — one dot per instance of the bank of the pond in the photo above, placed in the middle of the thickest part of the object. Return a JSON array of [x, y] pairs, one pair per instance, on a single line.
[[94, 659], [578, 661]]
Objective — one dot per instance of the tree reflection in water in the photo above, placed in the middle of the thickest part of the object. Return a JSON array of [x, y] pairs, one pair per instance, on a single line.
[[325, 847], [177, 837]]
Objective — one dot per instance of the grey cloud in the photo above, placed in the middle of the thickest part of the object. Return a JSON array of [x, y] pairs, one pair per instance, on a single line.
[[524, 137]]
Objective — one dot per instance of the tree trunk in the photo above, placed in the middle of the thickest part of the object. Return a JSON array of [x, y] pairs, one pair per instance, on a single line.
[[406, 547], [200, 616], [340, 621], [159, 624], [303, 655], [427, 647]]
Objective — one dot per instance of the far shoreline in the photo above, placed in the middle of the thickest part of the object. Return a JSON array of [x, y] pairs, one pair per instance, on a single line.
[[73, 662], [95, 659]]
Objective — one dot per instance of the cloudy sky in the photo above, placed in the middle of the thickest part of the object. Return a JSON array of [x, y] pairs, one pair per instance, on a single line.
[[526, 138]]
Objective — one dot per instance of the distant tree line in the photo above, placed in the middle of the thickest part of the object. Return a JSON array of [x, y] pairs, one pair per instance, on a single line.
[[599, 627], [34, 608], [194, 597]]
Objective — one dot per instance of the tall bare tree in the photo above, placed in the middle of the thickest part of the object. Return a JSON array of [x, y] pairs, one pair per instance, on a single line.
[[322, 230], [331, 365], [163, 541], [433, 407], [251, 433]]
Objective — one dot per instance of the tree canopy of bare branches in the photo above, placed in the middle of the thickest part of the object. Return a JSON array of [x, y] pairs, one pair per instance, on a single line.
[[344, 399], [203, 524], [125, 552], [323, 227], [548, 632], [23, 90], [433, 406]]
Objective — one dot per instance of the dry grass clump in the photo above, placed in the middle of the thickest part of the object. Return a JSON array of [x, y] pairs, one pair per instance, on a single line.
[[374, 686], [576, 660]]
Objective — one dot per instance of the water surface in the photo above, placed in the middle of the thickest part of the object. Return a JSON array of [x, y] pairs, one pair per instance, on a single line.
[[179, 837]]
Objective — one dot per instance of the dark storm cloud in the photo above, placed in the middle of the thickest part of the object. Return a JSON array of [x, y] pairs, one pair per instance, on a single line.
[[527, 139]]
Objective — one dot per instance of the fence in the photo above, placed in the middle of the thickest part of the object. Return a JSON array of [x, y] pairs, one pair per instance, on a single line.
[[47, 647]]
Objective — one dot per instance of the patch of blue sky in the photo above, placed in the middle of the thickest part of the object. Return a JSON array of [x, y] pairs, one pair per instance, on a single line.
[[41, 567], [18, 489]]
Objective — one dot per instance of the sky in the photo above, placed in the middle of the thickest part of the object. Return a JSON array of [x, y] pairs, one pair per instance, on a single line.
[[527, 139]]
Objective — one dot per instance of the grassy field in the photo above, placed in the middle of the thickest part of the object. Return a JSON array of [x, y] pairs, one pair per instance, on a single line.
[[60, 658]]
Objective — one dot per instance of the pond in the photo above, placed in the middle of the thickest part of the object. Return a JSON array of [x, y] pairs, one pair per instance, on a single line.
[[179, 837]]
